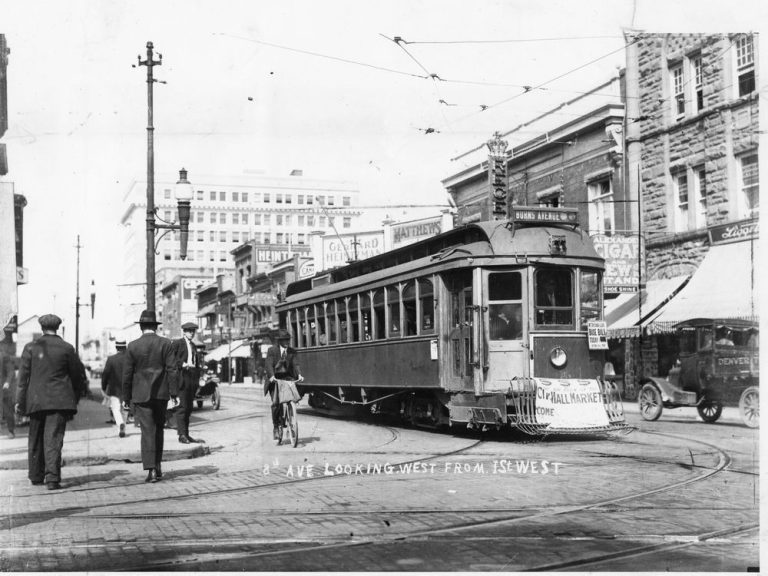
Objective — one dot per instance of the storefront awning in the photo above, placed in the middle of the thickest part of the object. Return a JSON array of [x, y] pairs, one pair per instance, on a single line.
[[205, 310], [238, 349], [626, 314], [723, 287]]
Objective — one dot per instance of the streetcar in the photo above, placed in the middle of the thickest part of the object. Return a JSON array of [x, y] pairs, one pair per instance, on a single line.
[[484, 326]]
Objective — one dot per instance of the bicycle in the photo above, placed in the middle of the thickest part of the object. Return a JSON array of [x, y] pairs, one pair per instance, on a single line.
[[288, 420]]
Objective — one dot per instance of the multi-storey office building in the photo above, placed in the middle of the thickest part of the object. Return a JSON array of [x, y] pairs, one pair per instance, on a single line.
[[226, 212]]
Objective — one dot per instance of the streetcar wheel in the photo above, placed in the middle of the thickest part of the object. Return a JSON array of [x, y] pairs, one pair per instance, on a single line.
[[650, 402], [710, 410], [292, 423], [216, 399], [749, 406], [199, 403]]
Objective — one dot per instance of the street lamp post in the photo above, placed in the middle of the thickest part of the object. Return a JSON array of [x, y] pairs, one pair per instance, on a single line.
[[184, 191]]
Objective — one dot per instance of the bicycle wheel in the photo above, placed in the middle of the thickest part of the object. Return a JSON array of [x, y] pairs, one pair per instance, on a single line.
[[292, 423], [281, 425]]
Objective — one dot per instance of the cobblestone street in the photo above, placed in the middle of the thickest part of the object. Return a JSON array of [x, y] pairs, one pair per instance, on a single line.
[[672, 495]]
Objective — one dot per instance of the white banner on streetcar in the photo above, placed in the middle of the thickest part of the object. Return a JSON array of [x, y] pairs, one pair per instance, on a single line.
[[570, 403]]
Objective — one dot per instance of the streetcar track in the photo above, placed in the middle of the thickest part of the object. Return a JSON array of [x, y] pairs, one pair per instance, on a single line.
[[724, 461]]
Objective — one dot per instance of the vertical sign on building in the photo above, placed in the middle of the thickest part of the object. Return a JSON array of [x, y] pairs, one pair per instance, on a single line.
[[497, 176]]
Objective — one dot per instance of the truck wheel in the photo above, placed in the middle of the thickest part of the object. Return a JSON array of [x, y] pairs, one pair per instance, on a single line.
[[749, 406], [650, 402], [709, 410]]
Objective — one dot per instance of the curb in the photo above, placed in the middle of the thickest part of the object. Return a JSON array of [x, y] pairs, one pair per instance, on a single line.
[[102, 459]]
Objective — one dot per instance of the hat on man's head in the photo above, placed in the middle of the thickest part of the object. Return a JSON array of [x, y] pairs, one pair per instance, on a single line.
[[188, 326], [120, 344], [281, 335], [148, 317], [49, 322]]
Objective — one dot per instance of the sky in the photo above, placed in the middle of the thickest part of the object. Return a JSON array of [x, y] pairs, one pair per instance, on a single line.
[[321, 86]]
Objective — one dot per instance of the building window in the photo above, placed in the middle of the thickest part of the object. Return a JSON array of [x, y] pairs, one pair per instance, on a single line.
[[278, 219], [322, 221], [245, 236], [745, 64], [700, 191], [749, 186], [244, 219], [212, 256], [166, 254], [200, 194], [222, 217], [600, 206], [167, 193], [678, 91], [200, 255], [321, 200], [310, 199], [553, 200], [346, 201], [266, 238], [200, 236], [680, 185], [200, 216], [301, 199], [212, 236], [287, 219], [331, 200], [235, 196], [257, 237], [245, 196], [257, 219], [266, 197], [167, 215], [300, 219], [266, 219], [222, 236], [310, 220], [347, 222], [222, 256], [287, 198], [698, 84], [213, 195], [278, 198], [222, 196], [235, 218], [300, 239], [279, 238], [213, 217], [236, 237]]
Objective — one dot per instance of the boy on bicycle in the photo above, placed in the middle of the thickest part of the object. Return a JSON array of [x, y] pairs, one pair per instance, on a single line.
[[280, 364]]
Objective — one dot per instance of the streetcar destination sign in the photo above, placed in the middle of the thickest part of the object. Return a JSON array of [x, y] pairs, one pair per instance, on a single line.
[[542, 215]]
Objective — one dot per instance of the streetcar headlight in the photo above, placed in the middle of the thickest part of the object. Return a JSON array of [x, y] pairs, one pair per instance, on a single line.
[[558, 357]]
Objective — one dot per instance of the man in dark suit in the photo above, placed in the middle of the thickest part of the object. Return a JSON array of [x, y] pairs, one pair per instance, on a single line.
[[280, 364], [51, 382], [150, 378], [8, 364], [187, 362], [112, 384]]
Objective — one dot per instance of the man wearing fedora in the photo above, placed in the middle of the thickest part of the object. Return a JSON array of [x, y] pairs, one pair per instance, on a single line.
[[112, 385], [51, 382], [150, 378], [188, 364]]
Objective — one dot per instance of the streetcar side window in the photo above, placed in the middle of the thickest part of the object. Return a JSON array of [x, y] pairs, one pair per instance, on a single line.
[[379, 321], [393, 308], [330, 313], [311, 327], [321, 332], [365, 315], [341, 311], [554, 297], [505, 308], [427, 299], [354, 319], [409, 309], [589, 293]]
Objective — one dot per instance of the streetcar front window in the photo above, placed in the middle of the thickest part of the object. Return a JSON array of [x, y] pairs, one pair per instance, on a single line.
[[554, 297], [505, 309], [589, 293]]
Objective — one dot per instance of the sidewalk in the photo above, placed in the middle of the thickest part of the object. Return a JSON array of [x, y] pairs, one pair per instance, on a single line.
[[98, 446]]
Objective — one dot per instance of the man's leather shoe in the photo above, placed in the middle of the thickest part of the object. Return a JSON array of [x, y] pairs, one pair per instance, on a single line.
[[184, 439], [196, 440], [122, 431], [158, 472], [151, 476], [37, 482], [53, 485], [276, 433]]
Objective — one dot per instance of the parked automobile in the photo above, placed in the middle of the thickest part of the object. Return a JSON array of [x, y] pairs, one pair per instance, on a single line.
[[209, 390], [719, 361]]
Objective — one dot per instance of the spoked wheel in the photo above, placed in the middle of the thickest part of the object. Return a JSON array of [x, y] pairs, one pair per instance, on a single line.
[[216, 399], [709, 410], [650, 402], [291, 423], [749, 406]]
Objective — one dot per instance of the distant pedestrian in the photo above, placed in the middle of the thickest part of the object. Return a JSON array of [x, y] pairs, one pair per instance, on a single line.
[[51, 382], [281, 363], [112, 385], [150, 379], [188, 364]]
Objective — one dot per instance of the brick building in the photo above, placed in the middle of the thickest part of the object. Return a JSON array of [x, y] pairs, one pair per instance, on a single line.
[[692, 151]]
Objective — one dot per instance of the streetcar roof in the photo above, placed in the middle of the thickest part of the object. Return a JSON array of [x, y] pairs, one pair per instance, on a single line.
[[522, 244]]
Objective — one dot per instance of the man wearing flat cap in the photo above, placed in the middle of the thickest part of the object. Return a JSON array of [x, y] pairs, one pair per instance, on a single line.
[[112, 385], [51, 382], [188, 364], [150, 378]]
